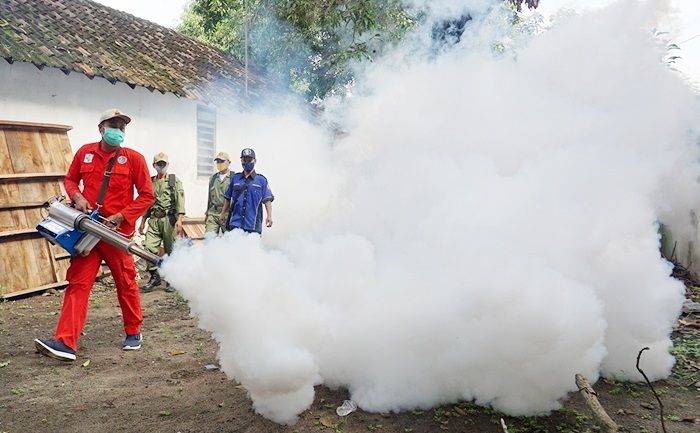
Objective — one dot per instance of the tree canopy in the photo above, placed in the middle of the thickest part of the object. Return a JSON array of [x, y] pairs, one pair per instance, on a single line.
[[307, 44]]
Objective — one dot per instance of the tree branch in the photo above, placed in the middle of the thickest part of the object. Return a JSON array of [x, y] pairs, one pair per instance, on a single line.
[[589, 395]]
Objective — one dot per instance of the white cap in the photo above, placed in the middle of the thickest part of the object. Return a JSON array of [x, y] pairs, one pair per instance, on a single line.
[[112, 113]]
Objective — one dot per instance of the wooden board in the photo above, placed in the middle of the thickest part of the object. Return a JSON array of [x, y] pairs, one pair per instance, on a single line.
[[58, 285], [34, 157], [30, 176], [194, 228], [13, 125]]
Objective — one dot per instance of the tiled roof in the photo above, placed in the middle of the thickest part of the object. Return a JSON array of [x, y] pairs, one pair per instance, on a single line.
[[98, 41]]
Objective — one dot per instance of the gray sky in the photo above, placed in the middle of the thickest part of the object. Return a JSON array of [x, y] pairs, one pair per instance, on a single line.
[[164, 12], [684, 23]]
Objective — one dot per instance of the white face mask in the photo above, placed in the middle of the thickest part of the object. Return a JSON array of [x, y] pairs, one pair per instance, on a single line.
[[162, 170]]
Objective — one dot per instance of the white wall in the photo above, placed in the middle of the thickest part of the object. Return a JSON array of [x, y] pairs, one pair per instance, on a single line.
[[160, 122]]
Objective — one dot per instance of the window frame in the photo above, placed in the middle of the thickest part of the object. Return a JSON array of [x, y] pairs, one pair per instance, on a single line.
[[206, 122]]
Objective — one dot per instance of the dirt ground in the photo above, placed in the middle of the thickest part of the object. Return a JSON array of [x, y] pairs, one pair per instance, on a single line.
[[165, 387]]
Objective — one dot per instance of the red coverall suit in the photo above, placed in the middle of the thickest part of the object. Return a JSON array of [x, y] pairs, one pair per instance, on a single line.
[[129, 171]]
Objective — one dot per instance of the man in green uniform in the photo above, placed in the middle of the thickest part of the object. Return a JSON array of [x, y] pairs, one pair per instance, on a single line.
[[218, 184], [164, 217]]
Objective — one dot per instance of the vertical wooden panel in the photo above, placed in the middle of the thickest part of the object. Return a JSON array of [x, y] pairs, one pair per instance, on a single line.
[[44, 143], [10, 219], [60, 150], [4, 270], [62, 267], [54, 146], [19, 144], [40, 161], [44, 271], [5, 161]]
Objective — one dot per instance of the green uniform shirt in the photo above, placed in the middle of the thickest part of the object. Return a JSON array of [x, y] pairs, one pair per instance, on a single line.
[[216, 200], [216, 192], [162, 194]]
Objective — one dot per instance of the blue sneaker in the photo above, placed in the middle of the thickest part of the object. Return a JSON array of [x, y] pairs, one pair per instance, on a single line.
[[133, 342], [54, 349]]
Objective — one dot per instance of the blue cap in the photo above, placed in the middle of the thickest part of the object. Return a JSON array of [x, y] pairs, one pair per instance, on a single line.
[[248, 152]]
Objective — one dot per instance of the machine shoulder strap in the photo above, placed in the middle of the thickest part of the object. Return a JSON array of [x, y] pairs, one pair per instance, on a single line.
[[105, 179]]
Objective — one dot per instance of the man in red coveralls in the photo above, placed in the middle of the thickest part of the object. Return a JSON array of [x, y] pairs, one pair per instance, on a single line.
[[119, 206]]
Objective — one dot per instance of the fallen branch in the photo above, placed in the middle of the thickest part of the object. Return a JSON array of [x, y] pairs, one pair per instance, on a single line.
[[661, 405], [589, 396]]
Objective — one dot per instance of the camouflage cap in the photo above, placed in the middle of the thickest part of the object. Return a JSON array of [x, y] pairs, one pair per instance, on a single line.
[[160, 157], [222, 156]]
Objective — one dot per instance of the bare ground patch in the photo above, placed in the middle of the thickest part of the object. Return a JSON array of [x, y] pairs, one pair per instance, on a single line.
[[165, 387]]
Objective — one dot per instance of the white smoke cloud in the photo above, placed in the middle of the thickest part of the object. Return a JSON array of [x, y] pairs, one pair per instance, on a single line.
[[487, 229]]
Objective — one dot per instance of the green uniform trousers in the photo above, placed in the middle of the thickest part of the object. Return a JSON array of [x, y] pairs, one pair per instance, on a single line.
[[211, 223], [159, 231]]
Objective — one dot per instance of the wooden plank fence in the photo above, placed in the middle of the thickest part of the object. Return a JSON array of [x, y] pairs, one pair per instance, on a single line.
[[33, 160]]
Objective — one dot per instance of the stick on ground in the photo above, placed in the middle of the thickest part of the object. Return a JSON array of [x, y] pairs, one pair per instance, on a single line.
[[589, 396], [661, 405]]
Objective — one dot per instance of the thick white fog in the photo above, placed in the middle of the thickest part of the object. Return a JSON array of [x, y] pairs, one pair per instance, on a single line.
[[487, 227]]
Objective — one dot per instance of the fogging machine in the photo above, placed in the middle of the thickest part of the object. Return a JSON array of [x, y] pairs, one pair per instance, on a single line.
[[78, 232]]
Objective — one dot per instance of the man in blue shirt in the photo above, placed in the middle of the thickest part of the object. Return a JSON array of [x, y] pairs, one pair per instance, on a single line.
[[245, 197]]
